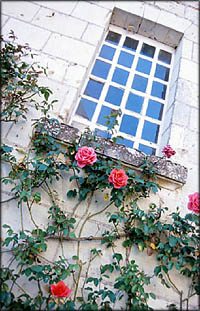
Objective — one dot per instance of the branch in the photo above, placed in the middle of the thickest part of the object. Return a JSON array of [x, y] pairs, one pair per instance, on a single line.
[[89, 238], [8, 200]]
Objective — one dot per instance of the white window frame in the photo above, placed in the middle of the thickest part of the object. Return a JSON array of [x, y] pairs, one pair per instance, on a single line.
[[127, 88]]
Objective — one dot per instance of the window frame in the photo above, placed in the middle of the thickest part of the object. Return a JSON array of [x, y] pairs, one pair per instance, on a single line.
[[127, 88]]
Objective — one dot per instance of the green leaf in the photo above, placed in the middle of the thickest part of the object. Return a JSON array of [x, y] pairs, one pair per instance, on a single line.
[[37, 197], [6, 226], [152, 295], [71, 193], [177, 266], [37, 268], [42, 167], [72, 235], [146, 229], [22, 235], [170, 265], [165, 268], [172, 241], [112, 296], [65, 274], [118, 257], [81, 180], [7, 241], [27, 272], [157, 270], [6, 148], [118, 285]]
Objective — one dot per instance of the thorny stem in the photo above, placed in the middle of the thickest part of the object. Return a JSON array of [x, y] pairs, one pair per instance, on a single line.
[[40, 291], [15, 279], [76, 180], [86, 219], [88, 205], [50, 193], [187, 299], [87, 272], [31, 215], [77, 282], [127, 254], [21, 216], [11, 262], [75, 208], [181, 301], [61, 243], [21, 288], [73, 276], [90, 238], [78, 246], [172, 283], [39, 287], [8, 200]]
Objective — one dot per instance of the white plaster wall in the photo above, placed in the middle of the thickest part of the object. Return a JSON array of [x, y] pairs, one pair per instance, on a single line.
[[65, 35]]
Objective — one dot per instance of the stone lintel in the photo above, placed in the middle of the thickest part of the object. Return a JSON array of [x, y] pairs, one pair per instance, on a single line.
[[131, 157]]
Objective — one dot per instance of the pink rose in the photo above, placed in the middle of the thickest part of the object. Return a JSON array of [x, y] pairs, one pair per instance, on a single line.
[[85, 156], [193, 203], [118, 178], [60, 289], [168, 151]]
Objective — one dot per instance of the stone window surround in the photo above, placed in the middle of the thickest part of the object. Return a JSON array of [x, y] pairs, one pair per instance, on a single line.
[[171, 175]]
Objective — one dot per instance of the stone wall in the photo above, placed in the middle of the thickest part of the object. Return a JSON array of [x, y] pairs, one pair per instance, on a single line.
[[65, 36]]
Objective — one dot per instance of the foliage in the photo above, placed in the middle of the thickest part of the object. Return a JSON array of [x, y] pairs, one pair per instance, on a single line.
[[19, 82], [174, 242]]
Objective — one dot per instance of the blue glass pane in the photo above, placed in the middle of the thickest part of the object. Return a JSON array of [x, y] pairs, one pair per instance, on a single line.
[[158, 90], [128, 143], [86, 108], [147, 149], [102, 133], [148, 50], [107, 52], [130, 44], [144, 65], [105, 112], [134, 102], [129, 125], [150, 131], [120, 76], [139, 83], [93, 88], [162, 72], [125, 59], [101, 69], [165, 57], [114, 95], [113, 37], [154, 110]]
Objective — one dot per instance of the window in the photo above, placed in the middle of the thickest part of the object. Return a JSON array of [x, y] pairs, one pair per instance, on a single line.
[[131, 72]]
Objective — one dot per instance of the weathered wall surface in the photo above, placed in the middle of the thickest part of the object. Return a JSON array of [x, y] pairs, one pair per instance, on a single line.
[[65, 35]]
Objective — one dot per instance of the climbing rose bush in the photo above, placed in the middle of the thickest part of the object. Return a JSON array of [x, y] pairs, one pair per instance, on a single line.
[[118, 178], [193, 203], [168, 151], [60, 290], [85, 156]]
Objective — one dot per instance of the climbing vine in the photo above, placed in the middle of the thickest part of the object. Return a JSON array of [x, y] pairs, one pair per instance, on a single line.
[[68, 282]]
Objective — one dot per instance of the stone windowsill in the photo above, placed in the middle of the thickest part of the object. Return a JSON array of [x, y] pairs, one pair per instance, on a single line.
[[167, 170]]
